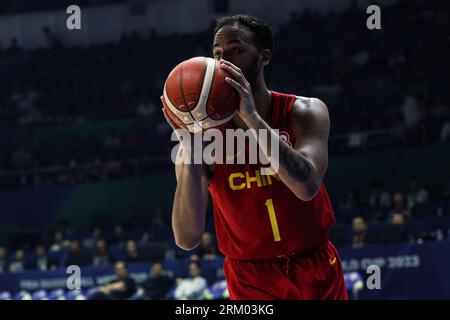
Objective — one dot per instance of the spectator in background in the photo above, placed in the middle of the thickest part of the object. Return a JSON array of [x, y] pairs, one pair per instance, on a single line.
[[3, 260], [359, 228], [158, 219], [42, 262], [122, 288], [397, 218], [19, 263], [59, 243], [102, 257], [400, 204], [132, 251], [145, 108], [76, 256], [157, 284], [64, 227], [89, 243], [412, 111], [417, 194], [118, 236], [445, 132], [156, 222], [207, 249], [112, 140], [378, 198], [191, 288], [446, 192], [353, 200]]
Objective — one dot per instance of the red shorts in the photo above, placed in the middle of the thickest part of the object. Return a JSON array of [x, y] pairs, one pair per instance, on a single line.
[[318, 276]]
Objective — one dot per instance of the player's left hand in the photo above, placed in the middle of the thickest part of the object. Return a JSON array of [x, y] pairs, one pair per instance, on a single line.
[[237, 80]]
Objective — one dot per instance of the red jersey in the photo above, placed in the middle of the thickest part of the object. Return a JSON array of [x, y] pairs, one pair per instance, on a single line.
[[257, 216]]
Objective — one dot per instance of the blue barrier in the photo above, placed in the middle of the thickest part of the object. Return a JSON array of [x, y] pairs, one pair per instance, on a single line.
[[408, 271]]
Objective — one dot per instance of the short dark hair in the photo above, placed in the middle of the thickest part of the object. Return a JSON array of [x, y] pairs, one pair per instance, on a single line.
[[262, 33]]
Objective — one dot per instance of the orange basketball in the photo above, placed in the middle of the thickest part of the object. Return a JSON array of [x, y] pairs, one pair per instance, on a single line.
[[197, 97]]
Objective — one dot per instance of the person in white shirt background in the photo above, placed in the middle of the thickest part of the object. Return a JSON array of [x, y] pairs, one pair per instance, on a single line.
[[191, 288]]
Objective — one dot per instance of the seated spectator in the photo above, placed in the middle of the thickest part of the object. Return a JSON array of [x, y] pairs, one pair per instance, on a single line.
[[379, 198], [359, 232], [102, 257], [122, 288], [402, 231], [64, 227], [157, 284], [397, 218], [118, 237], [400, 204], [42, 261], [19, 263], [77, 256], [417, 194], [132, 252], [156, 222], [158, 218], [3, 260], [89, 243], [353, 200], [59, 243], [191, 288], [207, 249]]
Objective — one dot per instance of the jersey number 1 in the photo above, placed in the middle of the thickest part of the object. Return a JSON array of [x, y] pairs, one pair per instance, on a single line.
[[273, 220]]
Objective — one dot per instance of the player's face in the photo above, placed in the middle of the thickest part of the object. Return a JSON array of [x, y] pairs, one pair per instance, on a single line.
[[237, 46]]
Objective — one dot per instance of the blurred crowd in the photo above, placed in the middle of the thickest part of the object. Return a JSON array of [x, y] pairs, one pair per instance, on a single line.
[[394, 79], [414, 213]]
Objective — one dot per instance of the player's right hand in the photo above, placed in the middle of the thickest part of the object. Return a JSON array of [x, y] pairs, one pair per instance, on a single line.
[[169, 121]]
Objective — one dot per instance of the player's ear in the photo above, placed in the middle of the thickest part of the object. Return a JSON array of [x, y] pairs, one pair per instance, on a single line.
[[266, 54]]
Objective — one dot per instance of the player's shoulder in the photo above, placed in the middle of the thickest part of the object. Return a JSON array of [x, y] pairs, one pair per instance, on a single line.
[[308, 108]]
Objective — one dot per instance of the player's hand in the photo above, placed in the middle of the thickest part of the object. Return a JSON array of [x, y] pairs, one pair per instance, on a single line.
[[237, 80], [175, 128], [169, 121]]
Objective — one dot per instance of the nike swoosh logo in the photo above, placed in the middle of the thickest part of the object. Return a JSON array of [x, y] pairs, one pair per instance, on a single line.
[[332, 261]]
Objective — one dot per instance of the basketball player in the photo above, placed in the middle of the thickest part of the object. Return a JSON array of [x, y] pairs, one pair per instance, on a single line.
[[273, 230]]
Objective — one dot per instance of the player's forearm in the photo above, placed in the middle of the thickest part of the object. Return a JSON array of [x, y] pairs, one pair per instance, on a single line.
[[295, 170], [188, 214]]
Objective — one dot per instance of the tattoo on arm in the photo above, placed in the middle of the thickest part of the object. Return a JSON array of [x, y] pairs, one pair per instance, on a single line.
[[296, 166]]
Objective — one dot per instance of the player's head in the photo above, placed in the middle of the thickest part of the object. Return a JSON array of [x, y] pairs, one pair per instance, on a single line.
[[245, 41]]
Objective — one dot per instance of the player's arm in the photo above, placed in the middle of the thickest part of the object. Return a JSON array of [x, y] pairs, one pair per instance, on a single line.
[[189, 205], [190, 201], [303, 167], [300, 168]]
